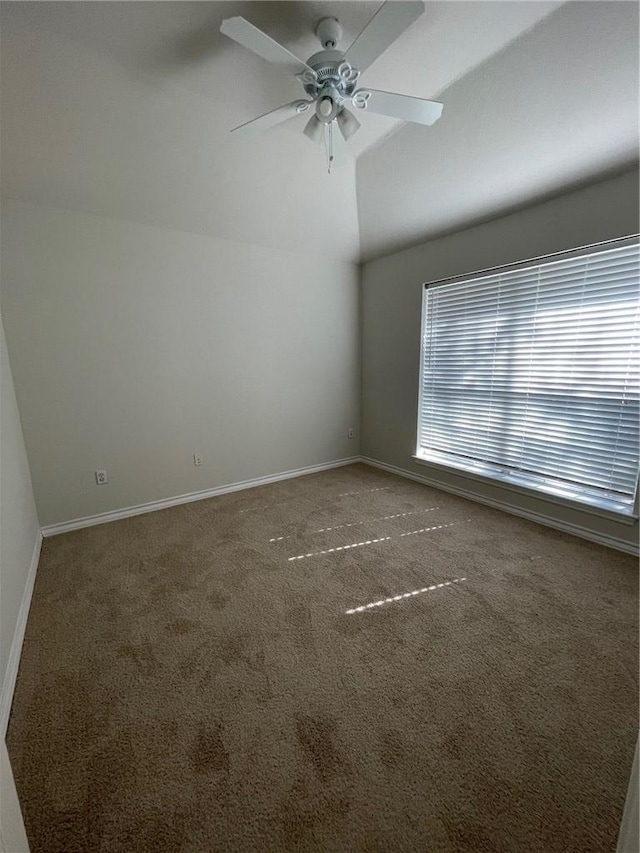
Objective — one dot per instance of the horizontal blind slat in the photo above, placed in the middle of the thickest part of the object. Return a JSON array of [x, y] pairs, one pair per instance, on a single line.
[[536, 369]]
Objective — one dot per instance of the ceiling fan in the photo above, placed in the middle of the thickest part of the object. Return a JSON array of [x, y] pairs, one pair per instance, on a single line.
[[329, 77]]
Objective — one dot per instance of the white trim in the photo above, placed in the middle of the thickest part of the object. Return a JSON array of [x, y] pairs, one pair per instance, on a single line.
[[577, 251], [165, 503], [127, 512], [530, 491], [11, 673], [566, 527]]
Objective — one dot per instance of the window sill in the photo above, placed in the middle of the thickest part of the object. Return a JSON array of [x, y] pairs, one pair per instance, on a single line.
[[504, 483]]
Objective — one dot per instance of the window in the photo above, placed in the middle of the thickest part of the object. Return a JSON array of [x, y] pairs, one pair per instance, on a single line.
[[530, 375]]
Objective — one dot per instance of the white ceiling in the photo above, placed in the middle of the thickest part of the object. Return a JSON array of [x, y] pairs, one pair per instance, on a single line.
[[124, 110]]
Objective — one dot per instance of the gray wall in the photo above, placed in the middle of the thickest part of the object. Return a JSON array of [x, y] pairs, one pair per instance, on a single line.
[[19, 538], [19, 528], [13, 838], [134, 347], [391, 307]]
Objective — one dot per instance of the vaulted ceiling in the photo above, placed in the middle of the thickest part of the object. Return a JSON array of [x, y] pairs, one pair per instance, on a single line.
[[124, 110]]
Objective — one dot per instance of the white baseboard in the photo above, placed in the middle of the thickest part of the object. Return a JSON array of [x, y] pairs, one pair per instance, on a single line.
[[152, 506], [547, 521], [8, 684], [9, 680]]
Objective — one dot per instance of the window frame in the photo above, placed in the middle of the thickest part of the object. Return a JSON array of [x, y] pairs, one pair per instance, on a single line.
[[505, 482]]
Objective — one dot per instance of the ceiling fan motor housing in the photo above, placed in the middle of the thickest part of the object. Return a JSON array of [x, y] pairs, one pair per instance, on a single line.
[[331, 70]]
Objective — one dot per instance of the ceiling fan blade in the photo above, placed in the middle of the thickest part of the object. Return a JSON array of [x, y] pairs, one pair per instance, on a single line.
[[263, 45], [271, 119], [404, 107], [314, 129], [389, 22], [347, 123]]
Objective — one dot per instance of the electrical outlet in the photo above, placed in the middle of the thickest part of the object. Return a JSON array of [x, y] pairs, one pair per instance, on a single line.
[[198, 459], [101, 477], [350, 432]]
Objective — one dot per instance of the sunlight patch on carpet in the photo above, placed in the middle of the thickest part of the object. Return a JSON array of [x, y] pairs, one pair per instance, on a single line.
[[404, 595]]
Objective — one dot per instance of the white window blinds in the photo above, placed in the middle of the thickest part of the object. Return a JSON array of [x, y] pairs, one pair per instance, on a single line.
[[531, 375]]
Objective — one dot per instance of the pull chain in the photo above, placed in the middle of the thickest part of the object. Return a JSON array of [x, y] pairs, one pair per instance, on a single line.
[[330, 147]]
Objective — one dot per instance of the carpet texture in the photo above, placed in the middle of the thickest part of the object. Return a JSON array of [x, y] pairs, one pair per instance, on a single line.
[[205, 678]]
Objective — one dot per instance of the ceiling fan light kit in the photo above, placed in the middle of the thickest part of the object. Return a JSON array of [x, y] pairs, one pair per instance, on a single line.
[[329, 77]]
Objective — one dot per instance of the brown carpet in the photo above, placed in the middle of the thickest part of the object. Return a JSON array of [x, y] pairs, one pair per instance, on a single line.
[[187, 685]]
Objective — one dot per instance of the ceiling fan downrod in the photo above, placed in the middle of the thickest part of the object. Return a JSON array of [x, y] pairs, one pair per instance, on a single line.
[[329, 32]]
